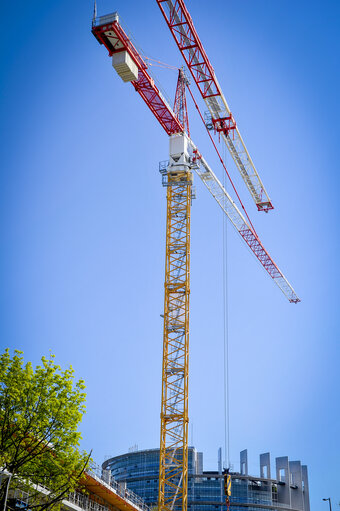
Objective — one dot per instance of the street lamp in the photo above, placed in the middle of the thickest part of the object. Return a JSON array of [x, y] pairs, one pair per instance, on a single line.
[[330, 503]]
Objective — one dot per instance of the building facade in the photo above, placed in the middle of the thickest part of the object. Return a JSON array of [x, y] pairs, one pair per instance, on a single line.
[[96, 492], [287, 489]]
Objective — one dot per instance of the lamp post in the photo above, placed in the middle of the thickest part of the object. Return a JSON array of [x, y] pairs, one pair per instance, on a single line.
[[330, 503], [6, 492]]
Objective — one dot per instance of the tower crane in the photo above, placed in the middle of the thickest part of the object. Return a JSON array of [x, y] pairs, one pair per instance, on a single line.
[[177, 176]]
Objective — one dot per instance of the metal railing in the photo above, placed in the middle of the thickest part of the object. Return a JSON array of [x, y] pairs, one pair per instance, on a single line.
[[104, 477], [105, 20], [84, 502]]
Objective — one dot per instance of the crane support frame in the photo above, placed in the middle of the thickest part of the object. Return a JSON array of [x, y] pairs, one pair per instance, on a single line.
[[113, 37], [173, 472], [182, 28]]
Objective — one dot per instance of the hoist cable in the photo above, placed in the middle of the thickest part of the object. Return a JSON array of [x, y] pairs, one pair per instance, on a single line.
[[225, 336]]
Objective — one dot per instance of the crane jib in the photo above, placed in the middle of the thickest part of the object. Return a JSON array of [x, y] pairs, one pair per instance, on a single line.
[[182, 28]]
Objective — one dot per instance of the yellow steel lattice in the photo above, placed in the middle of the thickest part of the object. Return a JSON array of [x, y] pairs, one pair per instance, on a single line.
[[173, 473]]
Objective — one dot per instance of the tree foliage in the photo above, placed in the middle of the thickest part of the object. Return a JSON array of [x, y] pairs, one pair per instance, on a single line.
[[40, 410]]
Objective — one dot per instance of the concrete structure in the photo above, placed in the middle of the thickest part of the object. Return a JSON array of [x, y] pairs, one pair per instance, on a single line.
[[102, 493], [288, 491]]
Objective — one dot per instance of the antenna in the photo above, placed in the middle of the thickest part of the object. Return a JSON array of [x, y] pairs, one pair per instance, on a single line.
[[94, 12]]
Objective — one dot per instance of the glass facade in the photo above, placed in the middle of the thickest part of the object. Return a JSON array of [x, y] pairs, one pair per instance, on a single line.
[[139, 471]]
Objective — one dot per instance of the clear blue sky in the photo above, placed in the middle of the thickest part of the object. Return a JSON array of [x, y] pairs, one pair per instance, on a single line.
[[83, 225]]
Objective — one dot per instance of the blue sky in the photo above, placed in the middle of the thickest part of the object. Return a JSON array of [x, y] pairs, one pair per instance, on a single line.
[[83, 226]]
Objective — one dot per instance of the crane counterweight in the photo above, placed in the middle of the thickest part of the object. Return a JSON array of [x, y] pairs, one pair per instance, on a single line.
[[125, 66]]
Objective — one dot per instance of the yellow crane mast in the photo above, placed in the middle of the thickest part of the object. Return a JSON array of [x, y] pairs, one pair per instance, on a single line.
[[173, 472]]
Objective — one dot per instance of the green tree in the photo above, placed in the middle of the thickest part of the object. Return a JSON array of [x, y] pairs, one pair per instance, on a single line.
[[40, 410]]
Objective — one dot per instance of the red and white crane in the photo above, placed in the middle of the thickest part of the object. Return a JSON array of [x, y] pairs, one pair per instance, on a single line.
[[110, 33], [184, 158]]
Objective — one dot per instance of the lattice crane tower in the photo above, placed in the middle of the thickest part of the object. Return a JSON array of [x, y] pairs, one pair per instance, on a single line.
[[177, 176]]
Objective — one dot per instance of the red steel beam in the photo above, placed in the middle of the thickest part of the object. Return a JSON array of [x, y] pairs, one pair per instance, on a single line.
[[144, 85]]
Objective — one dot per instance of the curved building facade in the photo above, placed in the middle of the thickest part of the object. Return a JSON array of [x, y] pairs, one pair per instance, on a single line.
[[287, 490]]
